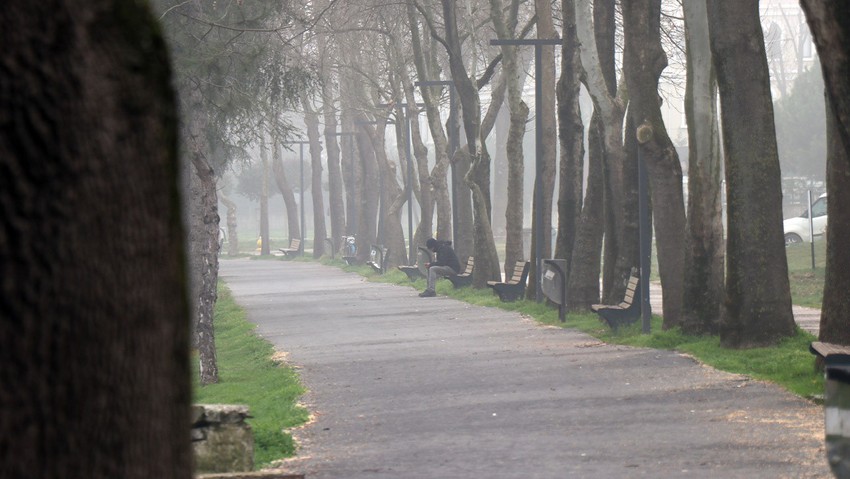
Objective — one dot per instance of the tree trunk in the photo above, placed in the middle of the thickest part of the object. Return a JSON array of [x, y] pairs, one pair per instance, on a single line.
[[232, 234], [94, 361], [434, 190], [292, 218], [311, 119], [758, 301], [704, 254], [620, 187], [549, 135], [835, 311], [571, 136], [644, 60], [830, 26], [516, 132], [350, 166], [478, 178], [586, 265], [396, 197], [335, 190], [264, 197], [369, 187]]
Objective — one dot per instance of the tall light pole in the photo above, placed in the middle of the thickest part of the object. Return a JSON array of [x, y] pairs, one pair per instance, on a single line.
[[303, 231], [453, 140], [538, 44]]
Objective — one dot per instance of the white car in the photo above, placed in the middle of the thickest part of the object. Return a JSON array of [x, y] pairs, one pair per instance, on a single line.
[[797, 229]]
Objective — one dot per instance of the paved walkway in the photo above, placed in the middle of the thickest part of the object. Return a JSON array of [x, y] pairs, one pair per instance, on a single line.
[[408, 387]]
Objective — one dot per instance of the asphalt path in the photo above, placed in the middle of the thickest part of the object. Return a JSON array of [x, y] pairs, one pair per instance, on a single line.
[[409, 387]]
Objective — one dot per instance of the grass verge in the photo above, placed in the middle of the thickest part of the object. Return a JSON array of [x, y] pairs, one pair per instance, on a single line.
[[248, 375], [788, 364]]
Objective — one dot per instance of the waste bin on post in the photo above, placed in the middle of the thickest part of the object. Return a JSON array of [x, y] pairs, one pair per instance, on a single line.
[[837, 409], [554, 284]]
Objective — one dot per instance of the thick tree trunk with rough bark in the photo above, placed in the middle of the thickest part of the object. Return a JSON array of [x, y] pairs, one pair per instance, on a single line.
[[95, 318], [830, 26], [758, 300], [705, 247], [292, 218], [571, 137], [370, 188], [644, 60], [395, 196], [586, 266], [350, 166]]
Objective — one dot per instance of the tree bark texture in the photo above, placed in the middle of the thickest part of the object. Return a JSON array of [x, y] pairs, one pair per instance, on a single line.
[[311, 119], [350, 166], [571, 137], [396, 197], [586, 265], [292, 217], [829, 23], [758, 301], [830, 26], [93, 303], [644, 60], [705, 246]]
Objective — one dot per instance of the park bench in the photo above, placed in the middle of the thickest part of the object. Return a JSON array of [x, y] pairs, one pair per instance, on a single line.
[[465, 278], [627, 311], [418, 270], [377, 258], [294, 248], [514, 288]]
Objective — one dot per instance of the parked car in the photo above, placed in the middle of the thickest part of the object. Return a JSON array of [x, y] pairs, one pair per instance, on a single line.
[[797, 229]]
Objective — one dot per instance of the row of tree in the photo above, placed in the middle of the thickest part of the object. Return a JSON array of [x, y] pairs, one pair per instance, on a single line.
[[95, 356], [350, 69]]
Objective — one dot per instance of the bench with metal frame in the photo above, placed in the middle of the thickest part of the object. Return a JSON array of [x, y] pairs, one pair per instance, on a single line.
[[514, 288], [348, 250], [294, 248], [418, 270], [377, 258], [465, 278], [627, 311]]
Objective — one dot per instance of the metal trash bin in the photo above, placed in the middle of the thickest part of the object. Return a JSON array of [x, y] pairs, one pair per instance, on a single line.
[[837, 413], [554, 284]]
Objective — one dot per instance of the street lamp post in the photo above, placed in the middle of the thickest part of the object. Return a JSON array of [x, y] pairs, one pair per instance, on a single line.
[[453, 140], [303, 231], [538, 44]]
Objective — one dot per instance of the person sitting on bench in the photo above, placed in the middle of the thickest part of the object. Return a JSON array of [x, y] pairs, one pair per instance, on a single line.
[[445, 264]]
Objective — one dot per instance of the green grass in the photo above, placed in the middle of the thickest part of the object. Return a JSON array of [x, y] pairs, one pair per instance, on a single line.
[[248, 375], [788, 364]]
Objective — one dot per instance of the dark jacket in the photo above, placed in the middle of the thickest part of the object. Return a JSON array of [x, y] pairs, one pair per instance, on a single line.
[[446, 257]]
